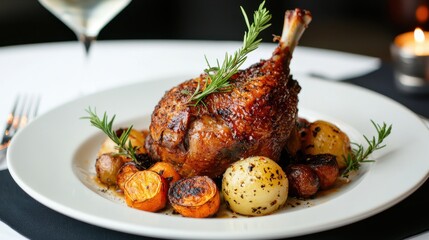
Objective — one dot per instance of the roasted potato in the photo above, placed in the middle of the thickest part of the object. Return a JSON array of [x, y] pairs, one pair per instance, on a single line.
[[146, 190], [196, 197], [167, 171], [136, 137], [303, 181], [324, 137], [107, 167], [255, 186], [326, 168]]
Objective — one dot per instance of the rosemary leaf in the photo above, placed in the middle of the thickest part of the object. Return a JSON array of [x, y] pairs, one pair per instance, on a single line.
[[360, 154], [107, 127], [217, 79]]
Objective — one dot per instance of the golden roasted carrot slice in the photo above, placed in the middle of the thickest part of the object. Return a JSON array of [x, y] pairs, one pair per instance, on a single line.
[[196, 197], [167, 171], [146, 190]]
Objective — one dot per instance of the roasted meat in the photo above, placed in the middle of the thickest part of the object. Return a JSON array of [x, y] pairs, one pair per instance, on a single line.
[[254, 118]]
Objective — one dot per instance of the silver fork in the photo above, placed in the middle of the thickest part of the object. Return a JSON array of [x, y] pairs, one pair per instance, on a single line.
[[24, 109]]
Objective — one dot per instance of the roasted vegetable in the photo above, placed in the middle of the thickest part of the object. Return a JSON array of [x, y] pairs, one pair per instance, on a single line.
[[167, 171], [303, 181], [324, 137], [255, 186], [146, 190], [326, 168], [107, 167], [126, 171], [196, 197]]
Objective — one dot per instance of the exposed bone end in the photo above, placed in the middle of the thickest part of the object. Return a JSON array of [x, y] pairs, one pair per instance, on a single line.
[[295, 23]]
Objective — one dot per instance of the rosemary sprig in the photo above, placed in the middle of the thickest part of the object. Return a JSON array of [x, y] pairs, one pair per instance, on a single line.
[[218, 76], [360, 154], [106, 126]]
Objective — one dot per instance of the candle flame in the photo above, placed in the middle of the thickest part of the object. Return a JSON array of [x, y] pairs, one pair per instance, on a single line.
[[419, 36]]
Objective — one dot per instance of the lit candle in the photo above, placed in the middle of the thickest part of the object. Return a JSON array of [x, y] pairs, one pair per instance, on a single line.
[[414, 43], [410, 55]]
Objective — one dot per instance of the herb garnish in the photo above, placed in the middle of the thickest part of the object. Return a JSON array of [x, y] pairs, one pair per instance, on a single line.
[[106, 126], [360, 154], [217, 79]]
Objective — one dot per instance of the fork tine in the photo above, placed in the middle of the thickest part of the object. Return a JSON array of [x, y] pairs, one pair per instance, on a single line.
[[25, 115], [23, 111], [10, 121], [36, 108], [31, 111], [17, 120]]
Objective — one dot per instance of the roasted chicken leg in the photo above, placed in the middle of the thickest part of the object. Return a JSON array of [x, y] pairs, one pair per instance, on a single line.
[[254, 118]]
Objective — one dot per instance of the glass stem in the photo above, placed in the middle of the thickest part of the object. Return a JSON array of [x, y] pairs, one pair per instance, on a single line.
[[87, 42], [88, 84]]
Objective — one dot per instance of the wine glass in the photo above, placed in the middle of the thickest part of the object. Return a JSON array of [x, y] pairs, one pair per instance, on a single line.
[[85, 17]]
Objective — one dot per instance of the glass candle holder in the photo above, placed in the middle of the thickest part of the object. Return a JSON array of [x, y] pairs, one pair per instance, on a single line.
[[410, 55]]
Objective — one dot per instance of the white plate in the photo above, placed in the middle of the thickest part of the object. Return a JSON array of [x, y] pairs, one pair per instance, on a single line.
[[52, 160]]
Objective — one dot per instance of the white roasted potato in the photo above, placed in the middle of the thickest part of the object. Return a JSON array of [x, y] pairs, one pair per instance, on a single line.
[[255, 186], [136, 137], [107, 167], [324, 137]]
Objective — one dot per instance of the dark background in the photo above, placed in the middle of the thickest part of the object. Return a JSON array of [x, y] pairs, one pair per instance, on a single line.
[[358, 26]]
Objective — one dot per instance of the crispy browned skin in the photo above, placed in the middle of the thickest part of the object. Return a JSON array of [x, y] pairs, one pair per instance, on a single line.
[[254, 118]]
